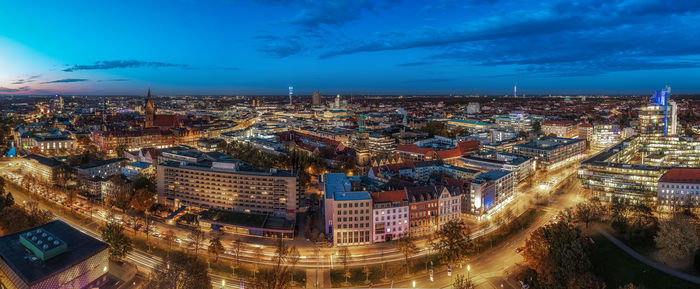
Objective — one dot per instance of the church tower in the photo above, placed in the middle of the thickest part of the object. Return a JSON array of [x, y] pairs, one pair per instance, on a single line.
[[149, 110]]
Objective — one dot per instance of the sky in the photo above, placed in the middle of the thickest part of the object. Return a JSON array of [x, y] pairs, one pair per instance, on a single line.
[[239, 47]]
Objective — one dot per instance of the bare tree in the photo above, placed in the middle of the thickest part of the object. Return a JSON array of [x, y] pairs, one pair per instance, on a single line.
[[407, 246], [677, 238], [196, 236]]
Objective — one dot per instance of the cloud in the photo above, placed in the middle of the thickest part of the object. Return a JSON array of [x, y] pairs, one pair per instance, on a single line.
[[8, 89], [317, 13], [29, 79], [66, 80], [314, 21], [280, 47], [561, 39], [112, 64]]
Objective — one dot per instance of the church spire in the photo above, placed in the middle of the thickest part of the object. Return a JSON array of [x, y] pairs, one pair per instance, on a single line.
[[149, 109]]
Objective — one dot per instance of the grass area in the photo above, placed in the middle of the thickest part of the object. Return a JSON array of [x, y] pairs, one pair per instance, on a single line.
[[617, 268]]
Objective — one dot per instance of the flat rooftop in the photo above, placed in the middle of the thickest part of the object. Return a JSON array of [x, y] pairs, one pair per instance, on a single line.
[[32, 270]]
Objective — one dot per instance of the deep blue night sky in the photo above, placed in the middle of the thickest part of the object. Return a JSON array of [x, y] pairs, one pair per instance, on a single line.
[[362, 47]]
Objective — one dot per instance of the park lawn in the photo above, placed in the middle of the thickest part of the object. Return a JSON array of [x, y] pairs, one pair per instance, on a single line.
[[617, 268]]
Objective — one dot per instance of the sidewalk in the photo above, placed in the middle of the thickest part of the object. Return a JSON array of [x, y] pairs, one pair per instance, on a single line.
[[645, 260]]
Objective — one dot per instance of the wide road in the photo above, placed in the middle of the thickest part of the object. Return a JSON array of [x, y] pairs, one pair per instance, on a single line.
[[369, 255], [327, 257], [489, 268]]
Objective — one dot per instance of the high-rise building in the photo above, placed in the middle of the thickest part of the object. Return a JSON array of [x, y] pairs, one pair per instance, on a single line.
[[473, 108], [291, 94], [216, 181], [660, 117], [316, 98]]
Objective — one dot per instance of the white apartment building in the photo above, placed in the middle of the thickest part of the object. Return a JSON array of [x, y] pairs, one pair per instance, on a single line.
[[390, 215]]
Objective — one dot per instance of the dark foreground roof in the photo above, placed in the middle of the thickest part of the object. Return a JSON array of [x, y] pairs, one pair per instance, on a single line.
[[80, 247]]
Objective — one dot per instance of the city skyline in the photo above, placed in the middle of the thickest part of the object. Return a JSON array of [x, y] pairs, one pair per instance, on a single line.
[[349, 47]]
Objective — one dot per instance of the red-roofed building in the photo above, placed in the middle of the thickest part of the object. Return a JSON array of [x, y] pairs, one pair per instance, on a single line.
[[390, 215], [418, 153], [468, 146], [450, 156], [680, 187], [166, 121]]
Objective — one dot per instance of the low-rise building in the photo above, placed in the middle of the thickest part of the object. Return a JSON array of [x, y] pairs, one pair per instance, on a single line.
[[348, 214], [102, 169], [390, 215], [523, 167], [551, 151], [606, 135], [449, 205], [44, 169], [560, 128], [423, 210]]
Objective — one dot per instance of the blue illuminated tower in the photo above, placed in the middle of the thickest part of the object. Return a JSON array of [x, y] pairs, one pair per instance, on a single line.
[[291, 93], [661, 98]]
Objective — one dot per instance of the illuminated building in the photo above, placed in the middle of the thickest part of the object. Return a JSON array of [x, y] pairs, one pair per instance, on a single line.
[[585, 131], [516, 120], [423, 209], [660, 117], [390, 215], [606, 135], [449, 206], [680, 187], [53, 255], [631, 169], [380, 145], [550, 151], [559, 128], [473, 108], [348, 213], [44, 169], [217, 181], [490, 189], [523, 167], [470, 125]]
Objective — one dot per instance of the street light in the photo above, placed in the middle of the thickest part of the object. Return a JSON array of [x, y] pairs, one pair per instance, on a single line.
[[223, 283], [414, 283], [469, 279]]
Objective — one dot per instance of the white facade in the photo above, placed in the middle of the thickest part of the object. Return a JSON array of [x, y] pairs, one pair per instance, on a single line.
[[390, 223], [449, 208]]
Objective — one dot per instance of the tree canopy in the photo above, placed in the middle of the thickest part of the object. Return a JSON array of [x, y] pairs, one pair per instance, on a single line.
[[180, 270], [119, 244], [558, 253]]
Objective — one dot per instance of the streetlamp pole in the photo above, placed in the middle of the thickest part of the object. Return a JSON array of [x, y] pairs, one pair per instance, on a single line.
[[469, 278]]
